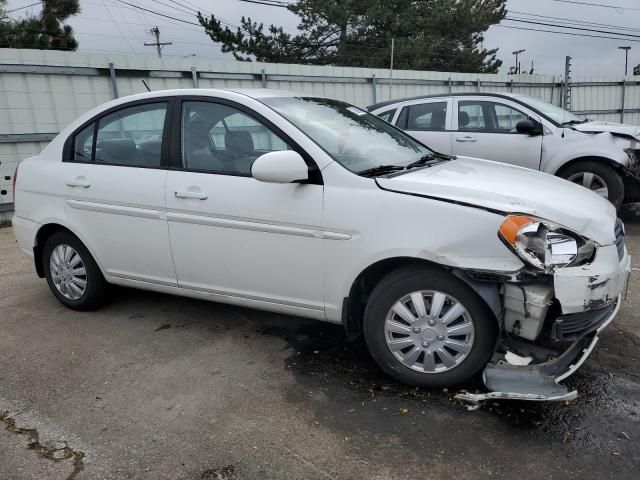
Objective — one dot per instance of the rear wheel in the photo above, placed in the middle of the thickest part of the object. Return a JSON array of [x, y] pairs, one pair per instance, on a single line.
[[72, 273], [426, 327], [597, 177]]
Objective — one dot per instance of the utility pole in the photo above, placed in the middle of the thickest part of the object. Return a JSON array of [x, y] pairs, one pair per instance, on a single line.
[[566, 98], [156, 31], [517, 53], [626, 59]]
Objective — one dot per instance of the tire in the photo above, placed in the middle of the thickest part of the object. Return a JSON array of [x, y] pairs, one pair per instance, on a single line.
[[431, 372], [599, 173], [69, 272]]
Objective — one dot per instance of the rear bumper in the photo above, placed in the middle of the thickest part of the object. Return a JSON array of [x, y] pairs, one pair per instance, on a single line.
[[25, 232]]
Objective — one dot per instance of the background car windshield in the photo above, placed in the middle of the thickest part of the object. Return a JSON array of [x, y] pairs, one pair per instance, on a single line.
[[557, 114], [354, 138]]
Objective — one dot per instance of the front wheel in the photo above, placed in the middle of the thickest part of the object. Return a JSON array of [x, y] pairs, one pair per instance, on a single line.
[[427, 328], [597, 177]]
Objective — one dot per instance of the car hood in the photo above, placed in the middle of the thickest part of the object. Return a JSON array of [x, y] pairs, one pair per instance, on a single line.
[[613, 128], [509, 189]]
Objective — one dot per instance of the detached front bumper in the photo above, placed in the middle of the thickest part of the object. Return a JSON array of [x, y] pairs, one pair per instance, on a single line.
[[588, 298]]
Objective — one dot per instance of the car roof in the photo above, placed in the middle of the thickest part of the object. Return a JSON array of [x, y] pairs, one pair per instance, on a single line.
[[378, 105]]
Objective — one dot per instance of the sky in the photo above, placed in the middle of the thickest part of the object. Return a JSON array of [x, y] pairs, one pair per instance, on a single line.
[[116, 26]]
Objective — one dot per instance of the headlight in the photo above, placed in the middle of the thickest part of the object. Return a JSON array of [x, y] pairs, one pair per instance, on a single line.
[[545, 245]]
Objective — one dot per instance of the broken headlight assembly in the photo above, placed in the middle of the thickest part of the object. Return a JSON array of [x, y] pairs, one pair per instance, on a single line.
[[545, 245]]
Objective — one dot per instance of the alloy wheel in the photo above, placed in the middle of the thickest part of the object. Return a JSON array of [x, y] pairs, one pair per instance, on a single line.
[[591, 181], [68, 272]]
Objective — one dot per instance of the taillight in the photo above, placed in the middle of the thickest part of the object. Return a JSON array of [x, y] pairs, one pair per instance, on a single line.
[[15, 177]]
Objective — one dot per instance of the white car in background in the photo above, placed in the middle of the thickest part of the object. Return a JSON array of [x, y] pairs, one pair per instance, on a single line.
[[528, 132], [313, 207]]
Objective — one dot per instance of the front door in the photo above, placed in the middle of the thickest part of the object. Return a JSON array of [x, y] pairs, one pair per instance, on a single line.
[[487, 129], [113, 185], [230, 233]]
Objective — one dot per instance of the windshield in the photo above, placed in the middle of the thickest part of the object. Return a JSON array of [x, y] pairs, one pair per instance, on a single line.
[[557, 114], [353, 137]]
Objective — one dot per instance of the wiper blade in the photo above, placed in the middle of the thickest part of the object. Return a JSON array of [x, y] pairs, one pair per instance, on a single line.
[[380, 170], [574, 122], [429, 158]]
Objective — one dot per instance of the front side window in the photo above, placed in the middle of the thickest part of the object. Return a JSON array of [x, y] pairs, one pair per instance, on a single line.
[[387, 115], [132, 136], [83, 144], [427, 116], [356, 139], [472, 116], [507, 118], [218, 138]]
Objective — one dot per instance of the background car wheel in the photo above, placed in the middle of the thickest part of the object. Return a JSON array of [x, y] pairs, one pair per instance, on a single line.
[[72, 273], [598, 177], [426, 327]]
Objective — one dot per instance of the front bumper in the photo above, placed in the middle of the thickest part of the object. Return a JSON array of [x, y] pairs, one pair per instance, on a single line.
[[588, 299]]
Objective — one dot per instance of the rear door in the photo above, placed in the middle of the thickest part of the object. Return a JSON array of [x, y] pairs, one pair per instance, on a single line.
[[428, 121], [113, 181], [486, 128]]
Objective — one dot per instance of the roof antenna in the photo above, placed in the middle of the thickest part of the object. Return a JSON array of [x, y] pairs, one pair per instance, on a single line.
[[146, 86]]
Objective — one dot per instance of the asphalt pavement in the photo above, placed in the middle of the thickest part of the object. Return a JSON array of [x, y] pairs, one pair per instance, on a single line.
[[160, 387]]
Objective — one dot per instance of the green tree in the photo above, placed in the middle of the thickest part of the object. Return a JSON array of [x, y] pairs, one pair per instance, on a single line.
[[444, 35], [44, 31]]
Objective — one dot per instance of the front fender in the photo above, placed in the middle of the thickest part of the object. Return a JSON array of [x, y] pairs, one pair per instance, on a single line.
[[558, 152]]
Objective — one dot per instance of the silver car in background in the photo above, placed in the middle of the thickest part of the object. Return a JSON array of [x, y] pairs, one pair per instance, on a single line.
[[528, 132]]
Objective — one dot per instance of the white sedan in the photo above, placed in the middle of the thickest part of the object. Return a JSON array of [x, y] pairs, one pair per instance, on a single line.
[[528, 132], [312, 207]]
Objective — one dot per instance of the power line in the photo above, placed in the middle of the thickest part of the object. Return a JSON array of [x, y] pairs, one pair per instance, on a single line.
[[576, 22], [618, 8], [566, 33], [22, 8], [572, 28], [159, 14]]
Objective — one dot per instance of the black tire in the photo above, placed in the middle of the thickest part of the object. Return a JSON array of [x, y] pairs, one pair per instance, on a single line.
[[95, 292], [615, 185], [406, 280]]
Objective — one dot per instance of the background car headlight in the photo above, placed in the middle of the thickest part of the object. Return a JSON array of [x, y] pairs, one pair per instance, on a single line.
[[545, 245]]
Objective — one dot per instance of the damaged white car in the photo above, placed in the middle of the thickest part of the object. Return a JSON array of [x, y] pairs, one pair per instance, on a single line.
[[312, 207], [528, 132]]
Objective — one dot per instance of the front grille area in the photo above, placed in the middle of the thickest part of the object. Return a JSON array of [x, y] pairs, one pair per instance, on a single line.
[[619, 231], [572, 326]]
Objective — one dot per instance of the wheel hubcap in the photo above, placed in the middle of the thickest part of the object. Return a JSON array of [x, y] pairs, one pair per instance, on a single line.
[[429, 331], [591, 181], [68, 272]]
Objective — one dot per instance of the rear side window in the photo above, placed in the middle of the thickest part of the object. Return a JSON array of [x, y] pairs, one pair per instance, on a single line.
[[427, 116], [131, 136]]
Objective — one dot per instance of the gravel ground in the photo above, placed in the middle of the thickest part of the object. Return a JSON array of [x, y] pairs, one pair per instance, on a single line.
[[160, 387]]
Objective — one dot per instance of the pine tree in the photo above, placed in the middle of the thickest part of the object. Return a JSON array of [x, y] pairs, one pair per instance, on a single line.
[[445, 35], [44, 31]]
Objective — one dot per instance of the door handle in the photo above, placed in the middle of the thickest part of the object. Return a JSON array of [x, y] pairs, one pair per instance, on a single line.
[[188, 194], [78, 182], [466, 139]]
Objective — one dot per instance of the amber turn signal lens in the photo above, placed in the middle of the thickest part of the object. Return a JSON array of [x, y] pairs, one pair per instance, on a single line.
[[512, 225]]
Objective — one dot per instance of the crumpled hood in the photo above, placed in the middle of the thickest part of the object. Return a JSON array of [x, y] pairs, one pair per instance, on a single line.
[[511, 189], [614, 128]]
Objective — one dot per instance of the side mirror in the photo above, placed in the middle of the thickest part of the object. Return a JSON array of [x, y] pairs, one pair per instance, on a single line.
[[284, 166], [529, 127]]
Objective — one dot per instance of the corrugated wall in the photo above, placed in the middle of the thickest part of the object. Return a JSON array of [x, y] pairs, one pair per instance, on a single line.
[[42, 91]]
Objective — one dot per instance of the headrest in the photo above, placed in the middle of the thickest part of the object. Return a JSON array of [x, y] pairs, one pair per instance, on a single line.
[[239, 140], [463, 119]]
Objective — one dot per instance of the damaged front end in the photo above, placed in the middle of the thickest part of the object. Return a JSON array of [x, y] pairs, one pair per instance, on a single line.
[[550, 321]]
